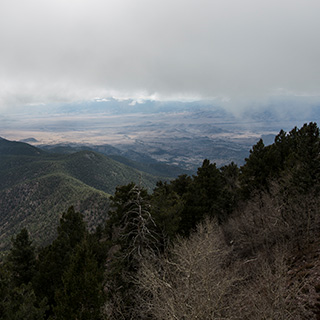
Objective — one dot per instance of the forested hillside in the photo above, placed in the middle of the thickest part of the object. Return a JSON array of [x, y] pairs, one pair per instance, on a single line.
[[36, 186], [226, 243], [139, 161]]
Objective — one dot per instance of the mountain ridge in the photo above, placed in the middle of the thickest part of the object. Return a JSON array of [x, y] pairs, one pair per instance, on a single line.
[[37, 186]]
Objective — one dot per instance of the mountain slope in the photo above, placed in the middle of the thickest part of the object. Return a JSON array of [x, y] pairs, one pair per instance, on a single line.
[[37, 204], [18, 148], [103, 173], [36, 186], [139, 161], [93, 169]]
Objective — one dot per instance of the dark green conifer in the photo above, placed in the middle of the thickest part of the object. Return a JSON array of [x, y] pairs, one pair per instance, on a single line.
[[21, 303], [21, 259], [55, 259], [81, 295], [204, 197], [167, 205]]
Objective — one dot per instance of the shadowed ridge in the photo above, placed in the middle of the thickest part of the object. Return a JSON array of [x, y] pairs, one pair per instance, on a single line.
[[18, 148]]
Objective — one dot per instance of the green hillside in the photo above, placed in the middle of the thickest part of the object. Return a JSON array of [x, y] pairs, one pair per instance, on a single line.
[[36, 204], [36, 186], [144, 163], [103, 173]]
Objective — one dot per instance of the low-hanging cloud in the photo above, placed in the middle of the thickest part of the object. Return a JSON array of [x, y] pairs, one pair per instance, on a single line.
[[58, 50]]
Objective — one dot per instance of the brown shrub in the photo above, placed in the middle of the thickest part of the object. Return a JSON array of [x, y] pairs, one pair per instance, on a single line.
[[192, 281], [240, 270]]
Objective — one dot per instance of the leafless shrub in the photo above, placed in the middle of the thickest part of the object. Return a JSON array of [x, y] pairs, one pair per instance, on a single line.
[[273, 218], [264, 234], [247, 277], [195, 282], [267, 290], [241, 270], [191, 282]]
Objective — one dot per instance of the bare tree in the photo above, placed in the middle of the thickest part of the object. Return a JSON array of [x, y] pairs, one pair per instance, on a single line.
[[265, 234], [138, 225], [133, 236], [267, 290], [202, 278], [272, 218], [191, 282]]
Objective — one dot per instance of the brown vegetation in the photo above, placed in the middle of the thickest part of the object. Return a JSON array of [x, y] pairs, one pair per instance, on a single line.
[[252, 267]]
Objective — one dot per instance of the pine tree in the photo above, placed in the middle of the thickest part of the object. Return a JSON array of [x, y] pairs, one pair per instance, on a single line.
[[167, 205], [18, 301], [81, 296], [255, 172], [4, 290], [21, 303], [21, 259], [205, 196], [55, 259], [306, 173]]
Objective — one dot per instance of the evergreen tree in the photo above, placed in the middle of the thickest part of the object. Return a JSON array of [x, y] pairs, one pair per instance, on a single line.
[[181, 185], [4, 290], [81, 296], [306, 172], [230, 174], [294, 158], [256, 171], [21, 259], [167, 206], [55, 259], [204, 197], [21, 303], [18, 302], [72, 228]]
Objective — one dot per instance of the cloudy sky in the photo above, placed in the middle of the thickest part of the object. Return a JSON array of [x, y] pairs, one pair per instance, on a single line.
[[231, 50]]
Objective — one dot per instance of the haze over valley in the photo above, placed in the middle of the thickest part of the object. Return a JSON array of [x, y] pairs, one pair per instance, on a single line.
[[175, 133]]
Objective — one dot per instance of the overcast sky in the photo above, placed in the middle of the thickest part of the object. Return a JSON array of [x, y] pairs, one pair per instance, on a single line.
[[231, 50]]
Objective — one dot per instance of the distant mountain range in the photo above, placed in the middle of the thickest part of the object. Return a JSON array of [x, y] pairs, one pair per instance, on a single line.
[[36, 186]]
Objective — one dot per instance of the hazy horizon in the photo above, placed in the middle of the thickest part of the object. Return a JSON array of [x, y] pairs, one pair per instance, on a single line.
[[111, 121]]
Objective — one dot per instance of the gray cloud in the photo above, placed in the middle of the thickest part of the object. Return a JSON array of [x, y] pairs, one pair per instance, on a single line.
[[236, 50]]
